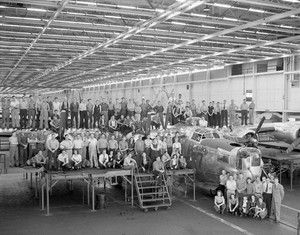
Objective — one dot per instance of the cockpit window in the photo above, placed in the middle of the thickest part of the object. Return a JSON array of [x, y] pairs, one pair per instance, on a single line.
[[223, 158], [196, 136], [255, 159], [216, 135]]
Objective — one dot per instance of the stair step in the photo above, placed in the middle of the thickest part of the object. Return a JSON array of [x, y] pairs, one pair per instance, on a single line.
[[152, 187], [146, 181], [156, 199], [153, 193], [144, 175], [156, 206]]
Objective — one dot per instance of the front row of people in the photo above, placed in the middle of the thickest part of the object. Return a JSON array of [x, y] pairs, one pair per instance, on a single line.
[[248, 206]]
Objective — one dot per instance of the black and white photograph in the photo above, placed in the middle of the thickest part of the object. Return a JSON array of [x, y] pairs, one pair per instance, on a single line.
[[150, 117]]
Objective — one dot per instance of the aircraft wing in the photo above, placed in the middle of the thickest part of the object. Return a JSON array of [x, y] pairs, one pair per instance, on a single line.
[[277, 145]]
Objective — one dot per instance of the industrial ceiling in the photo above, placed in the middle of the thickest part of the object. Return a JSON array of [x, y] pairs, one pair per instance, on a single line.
[[47, 45]]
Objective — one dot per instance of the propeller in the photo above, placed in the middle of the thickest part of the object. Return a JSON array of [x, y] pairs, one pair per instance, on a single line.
[[260, 125]]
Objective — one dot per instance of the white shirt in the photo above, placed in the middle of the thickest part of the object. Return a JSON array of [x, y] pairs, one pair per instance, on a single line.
[[76, 158], [78, 144], [103, 159], [14, 104], [128, 161], [93, 143], [63, 158], [56, 106], [231, 185], [82, 107]]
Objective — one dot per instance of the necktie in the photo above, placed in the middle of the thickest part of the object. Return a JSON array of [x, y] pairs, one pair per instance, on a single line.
[[267, 188]]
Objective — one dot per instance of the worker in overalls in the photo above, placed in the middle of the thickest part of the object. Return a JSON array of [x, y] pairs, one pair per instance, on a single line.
[[44, 114], [15, 112], [277, 197]]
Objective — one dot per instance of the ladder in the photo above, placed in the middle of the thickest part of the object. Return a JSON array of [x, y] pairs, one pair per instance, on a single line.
[[150, 194]]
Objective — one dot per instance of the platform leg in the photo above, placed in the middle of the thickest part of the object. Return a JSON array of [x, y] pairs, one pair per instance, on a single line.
[[43, 197], [186, 186], [125, 191], [83, 193], [132, 188], [93, 197], [194, 187], [291, 175], [30, 180], [36, 186], [47, 194], [88, 194]]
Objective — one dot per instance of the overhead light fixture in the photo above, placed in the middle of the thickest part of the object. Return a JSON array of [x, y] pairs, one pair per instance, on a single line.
[[36, 9], [178, 23], [3, 7], [222, 5], [294, 1], [230, 19], [256, 10]]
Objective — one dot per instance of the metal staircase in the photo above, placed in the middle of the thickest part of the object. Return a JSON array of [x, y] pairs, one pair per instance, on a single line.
[[150, 194]]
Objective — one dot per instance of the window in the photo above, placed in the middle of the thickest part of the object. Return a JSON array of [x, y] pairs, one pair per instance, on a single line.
[[255, 159], [279, 66], [262, 68], [237, 69], [295, 82], [197, 136], [223, 158]]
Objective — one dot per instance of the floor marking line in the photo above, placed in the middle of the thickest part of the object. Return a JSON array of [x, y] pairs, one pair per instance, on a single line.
[[290, 208], [217, 218]]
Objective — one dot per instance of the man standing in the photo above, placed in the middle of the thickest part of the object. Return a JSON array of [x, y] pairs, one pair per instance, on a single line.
[[44, 112], [31, 112], [267, 195], [218, 115], [277, 197], [231, 113], [23, 112], [123, 110], [74, 108], [204, 110], [104, 111], [52, 146], [90, 109], [23, 144], [159, 109], [244, 112], [224, 115], [251, 112], [193, 107], [15, 112], [13, 150], [51, 110], [5, 112]]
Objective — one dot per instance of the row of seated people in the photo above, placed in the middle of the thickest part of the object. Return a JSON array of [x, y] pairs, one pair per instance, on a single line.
[[249, 205], [115, 160]]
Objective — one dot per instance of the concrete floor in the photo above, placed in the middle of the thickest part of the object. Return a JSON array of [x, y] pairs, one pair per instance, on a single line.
[[20, 214]]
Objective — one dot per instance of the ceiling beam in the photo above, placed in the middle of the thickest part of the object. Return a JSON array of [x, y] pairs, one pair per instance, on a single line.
[[169, 13], [62, 4], [192, 41]]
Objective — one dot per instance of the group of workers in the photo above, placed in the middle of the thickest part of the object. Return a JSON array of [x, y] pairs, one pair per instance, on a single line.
[[38, 112], [260, 198]]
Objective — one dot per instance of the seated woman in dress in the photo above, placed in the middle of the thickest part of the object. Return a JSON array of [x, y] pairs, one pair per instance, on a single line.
[[112, 124], [55, 124], [129, 162], [174, 160], [260, 209], [233, 204], [252, 205], [38, 160], [145, 163], [76, 160], [219, 202], [244, 207], [118, 160], [182, 162]]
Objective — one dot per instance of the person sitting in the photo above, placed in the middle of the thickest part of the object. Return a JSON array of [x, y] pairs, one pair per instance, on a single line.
[[110, 159], [219, 202], [252, 205], [63, 161], [103, 159], [39, 160], [158, 170], [182, 162], [145, 164], [233, 204], [117, 163], [129, 162], [260, 209], [166, 159], [244, 207], [55, 124], [174, 160], [155, 122], [123, 145], [76, 160], [112, 124]]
